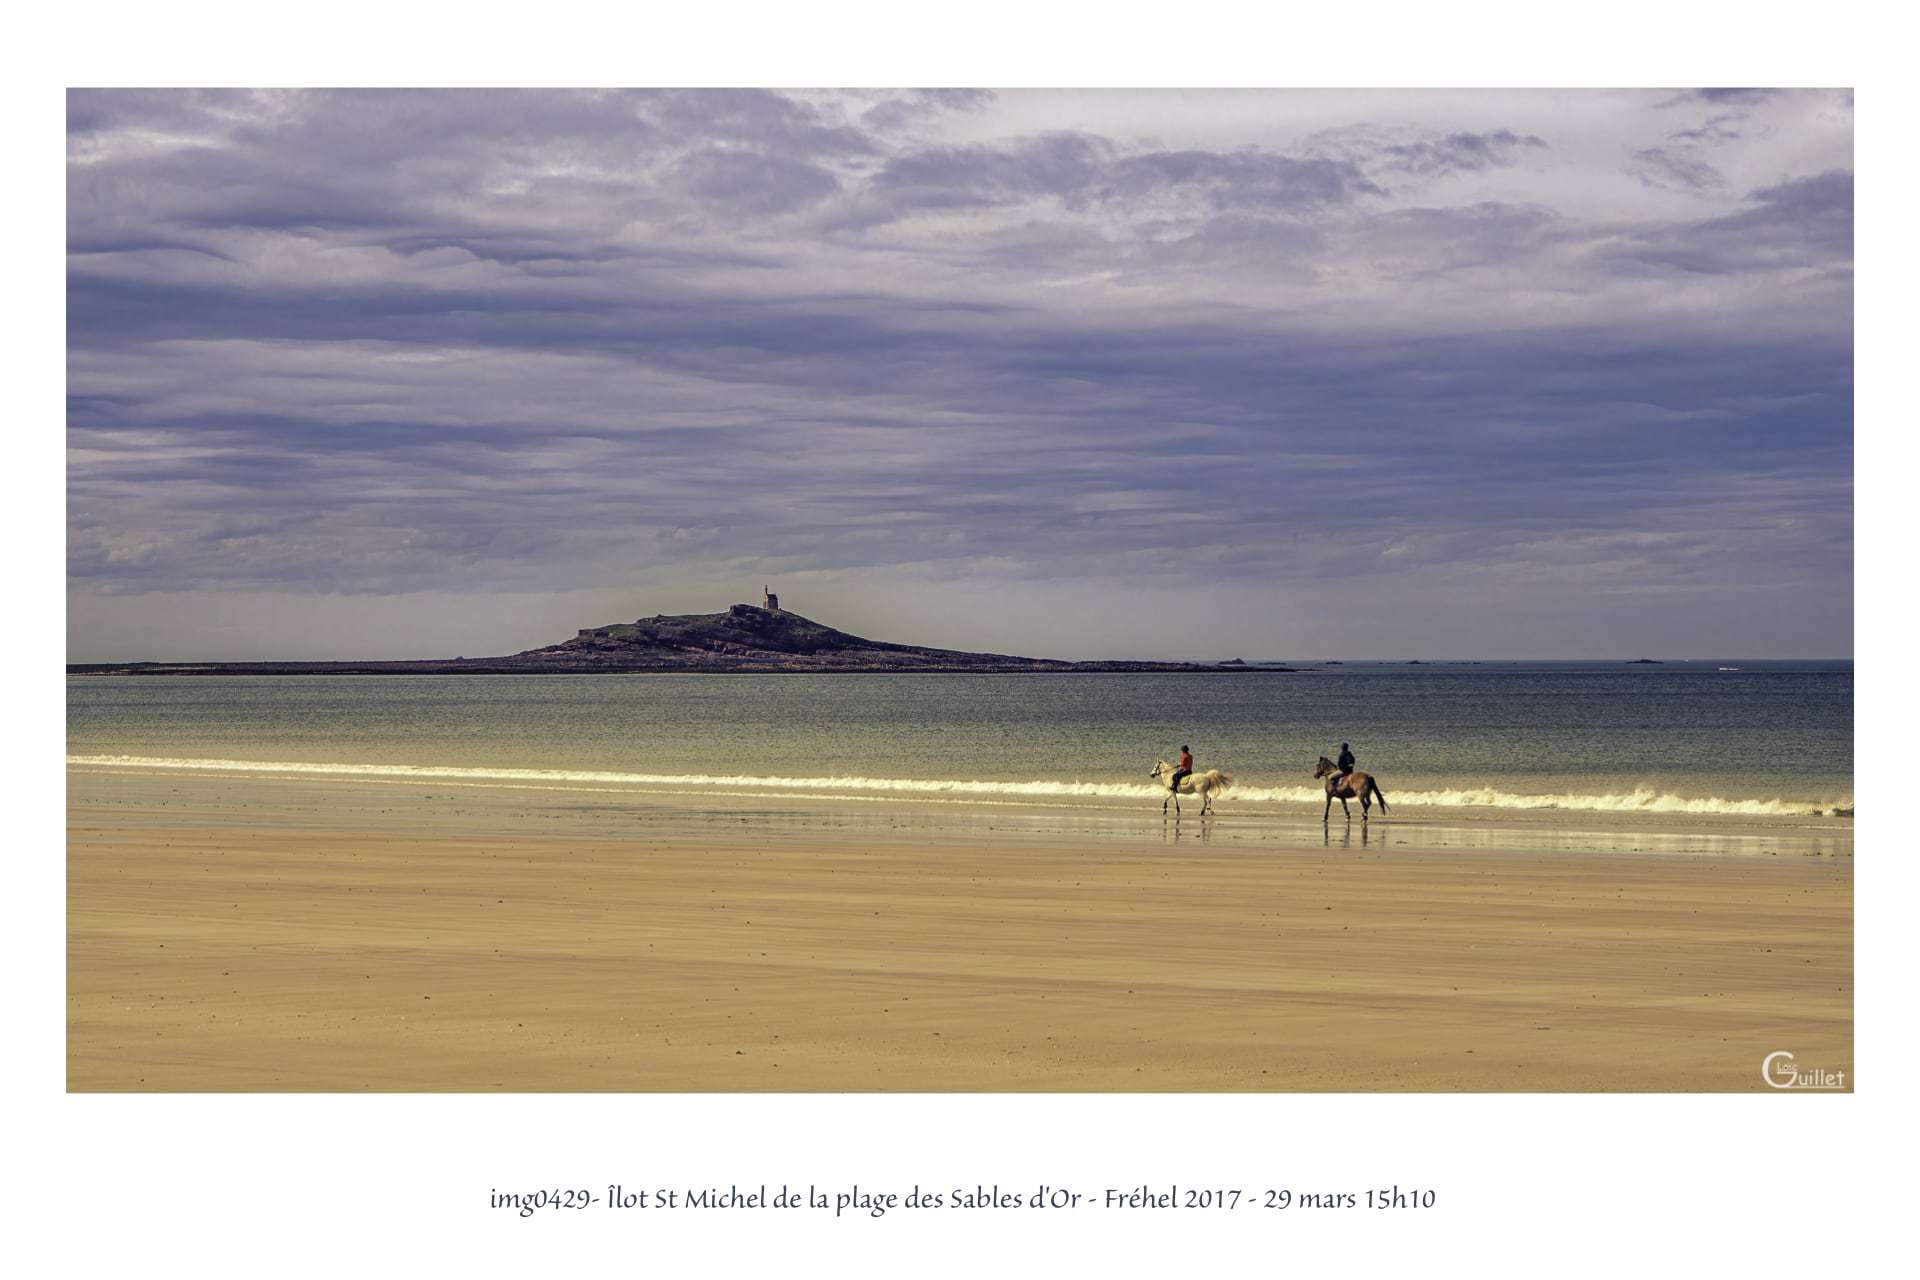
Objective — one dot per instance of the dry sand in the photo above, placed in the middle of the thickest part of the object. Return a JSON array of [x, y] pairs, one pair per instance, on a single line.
[[241, 937]]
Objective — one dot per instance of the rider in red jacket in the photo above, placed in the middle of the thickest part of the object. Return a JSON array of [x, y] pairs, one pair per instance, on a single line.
[[1185, 769]]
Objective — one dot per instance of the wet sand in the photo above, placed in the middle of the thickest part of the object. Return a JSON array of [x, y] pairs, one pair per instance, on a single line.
[[235, 936]]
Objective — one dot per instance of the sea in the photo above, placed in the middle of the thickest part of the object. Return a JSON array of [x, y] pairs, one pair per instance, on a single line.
[[1726, 736]]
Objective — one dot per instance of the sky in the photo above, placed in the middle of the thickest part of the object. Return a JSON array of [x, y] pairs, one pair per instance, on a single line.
[[1063, 373]]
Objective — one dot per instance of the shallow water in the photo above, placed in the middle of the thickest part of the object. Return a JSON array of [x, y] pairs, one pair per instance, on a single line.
[[1768, 739]]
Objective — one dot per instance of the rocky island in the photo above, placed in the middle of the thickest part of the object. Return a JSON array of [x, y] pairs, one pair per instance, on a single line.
[[745, 638]]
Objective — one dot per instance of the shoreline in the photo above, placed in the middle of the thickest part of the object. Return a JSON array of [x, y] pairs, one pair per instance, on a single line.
[[510, 796], [234, 936]]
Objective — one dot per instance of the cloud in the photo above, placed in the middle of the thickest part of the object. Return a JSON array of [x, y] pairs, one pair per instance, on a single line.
[[1410, 157], [1736, 95], [1091, 176], [1791, 228], [1733, 97], [1673, 169], [754, 182], [1815, 210], [1717, 130], [1457, 152], [904, 110], [397, 344]]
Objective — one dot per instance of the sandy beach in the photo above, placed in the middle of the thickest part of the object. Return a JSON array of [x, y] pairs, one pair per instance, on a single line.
[[231, 936]]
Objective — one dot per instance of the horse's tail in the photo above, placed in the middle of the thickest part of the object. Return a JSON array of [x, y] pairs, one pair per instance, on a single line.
[[1378, 794], [1222, 780]]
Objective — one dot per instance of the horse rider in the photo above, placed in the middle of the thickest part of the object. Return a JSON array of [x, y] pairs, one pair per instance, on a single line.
[[1341, 768], [1184, 771]]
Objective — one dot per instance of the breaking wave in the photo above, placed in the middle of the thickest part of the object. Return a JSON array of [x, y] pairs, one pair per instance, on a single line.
[[1640, 800]]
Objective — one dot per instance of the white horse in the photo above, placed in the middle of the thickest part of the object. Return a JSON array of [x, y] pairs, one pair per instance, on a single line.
[[1194, 784]]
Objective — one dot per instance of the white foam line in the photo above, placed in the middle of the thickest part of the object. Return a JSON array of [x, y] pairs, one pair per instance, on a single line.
[[679, 790], [1640, 800]]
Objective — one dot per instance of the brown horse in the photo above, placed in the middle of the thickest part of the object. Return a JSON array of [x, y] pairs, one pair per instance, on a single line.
[[1355, 786], [1194, 784]]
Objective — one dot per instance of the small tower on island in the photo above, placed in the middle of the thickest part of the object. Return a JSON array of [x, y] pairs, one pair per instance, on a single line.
[[773, 601]]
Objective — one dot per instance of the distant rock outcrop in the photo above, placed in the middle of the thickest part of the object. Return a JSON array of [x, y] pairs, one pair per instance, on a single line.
[[749, 638], [746, 638]]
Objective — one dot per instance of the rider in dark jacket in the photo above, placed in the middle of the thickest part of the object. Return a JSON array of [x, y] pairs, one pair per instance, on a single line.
[[1342, 767]]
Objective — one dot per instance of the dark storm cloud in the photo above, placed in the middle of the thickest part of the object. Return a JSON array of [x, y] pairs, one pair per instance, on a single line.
[[399, 342]]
